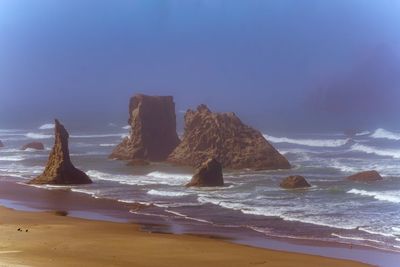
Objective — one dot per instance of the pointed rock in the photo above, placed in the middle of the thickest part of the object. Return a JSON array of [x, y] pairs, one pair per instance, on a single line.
[[224, 137], [153, 134], [208, 174], [366, 176], [293, 182], [59, 168]]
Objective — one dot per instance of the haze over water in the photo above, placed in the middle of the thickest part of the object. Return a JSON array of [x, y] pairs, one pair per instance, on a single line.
[[302, 72], [281, 65]]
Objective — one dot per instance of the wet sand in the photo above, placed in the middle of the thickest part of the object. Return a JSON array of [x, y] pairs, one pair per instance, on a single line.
[[110, 236], [47, 239]]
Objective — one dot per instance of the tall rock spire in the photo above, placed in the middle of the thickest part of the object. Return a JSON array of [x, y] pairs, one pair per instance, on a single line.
[[59, 168]]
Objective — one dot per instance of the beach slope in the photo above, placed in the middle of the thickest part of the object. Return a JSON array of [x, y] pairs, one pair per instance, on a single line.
[[47, 239]]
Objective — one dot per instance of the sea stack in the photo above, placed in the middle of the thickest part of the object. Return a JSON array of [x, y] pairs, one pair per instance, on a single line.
[[59, 169], [294, 182], [224, 137], [33, 145], [366, 176], [153, 134], [208, 174]]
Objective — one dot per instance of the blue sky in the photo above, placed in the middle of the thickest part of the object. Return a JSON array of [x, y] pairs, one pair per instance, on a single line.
[[287, 64]]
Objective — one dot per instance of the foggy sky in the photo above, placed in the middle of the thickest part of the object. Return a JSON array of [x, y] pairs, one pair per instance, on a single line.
[[280, 65]]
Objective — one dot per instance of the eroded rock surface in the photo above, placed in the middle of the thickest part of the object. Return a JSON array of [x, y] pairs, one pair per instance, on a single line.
[[59, 169], [366, 176], [33, 145], [226, 138], [208, 174], [153, 134], [294, 181]]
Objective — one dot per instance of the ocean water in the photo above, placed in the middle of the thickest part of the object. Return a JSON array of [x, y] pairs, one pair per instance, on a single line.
[[333, 209]]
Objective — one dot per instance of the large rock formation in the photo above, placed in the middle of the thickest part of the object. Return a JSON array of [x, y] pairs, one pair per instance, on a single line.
[[293, 182], [59, 168], [224, 137], [208, 174], [33, 145], [153, 134], [366, 176]]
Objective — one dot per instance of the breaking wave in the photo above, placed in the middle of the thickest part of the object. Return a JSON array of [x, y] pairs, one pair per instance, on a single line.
[[308, 142], [151, 178], [389, 196], [38, 136], [12, 158], [363, 133], [385, 134], [166, 193], [379, 152], [47, 126], [122, 135]]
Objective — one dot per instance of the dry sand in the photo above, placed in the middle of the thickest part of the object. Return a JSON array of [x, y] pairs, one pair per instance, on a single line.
[[54, 240]]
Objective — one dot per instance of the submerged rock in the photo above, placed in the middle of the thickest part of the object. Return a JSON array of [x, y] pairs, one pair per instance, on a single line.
[[153, 134], [366, 176], [59, 168], [293, 182], [224, 137], [138, 162], [33, 145], [208, 174]]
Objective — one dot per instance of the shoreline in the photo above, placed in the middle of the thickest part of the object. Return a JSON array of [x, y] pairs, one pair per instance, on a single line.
[[80, 205], [47, 239]]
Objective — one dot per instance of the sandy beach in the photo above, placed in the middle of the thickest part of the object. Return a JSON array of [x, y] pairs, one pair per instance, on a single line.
[[48, 239]]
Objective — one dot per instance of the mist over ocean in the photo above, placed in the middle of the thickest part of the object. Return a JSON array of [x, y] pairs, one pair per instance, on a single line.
[[305, 73], [333, 209]]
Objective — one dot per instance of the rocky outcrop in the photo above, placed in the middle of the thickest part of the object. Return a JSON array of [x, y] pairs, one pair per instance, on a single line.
[[366, 176], [224, 137], [293, 182], [59, 168], [33, 145], [153, 134], [208, 174], [1, 144]]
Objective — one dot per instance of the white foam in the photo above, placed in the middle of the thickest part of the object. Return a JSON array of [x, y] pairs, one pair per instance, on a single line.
[[396, 230], [374, 232], [187, 217], [308, 142], [166, 193], [151, 178], [385, 134], [11, 158], [107, 145], [379, 152], [356, 238], [126, 127], [172, 176], [344, 167], [278, 212], [84, 191], [389, 196], [11, 150], [122, 135], [363, 133], [47, 126], [38, 136]]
